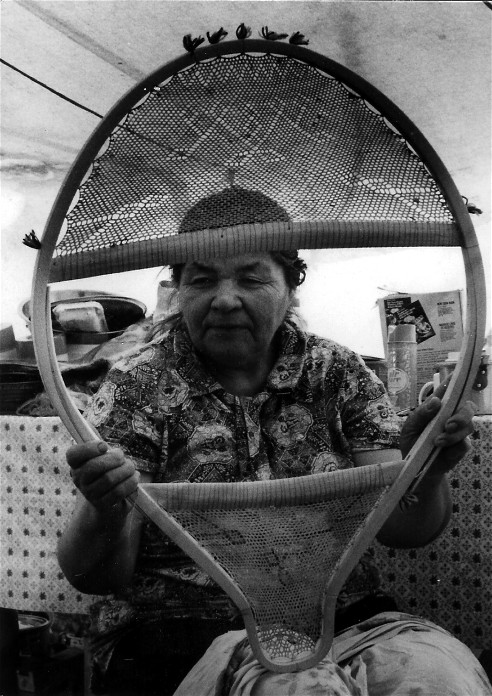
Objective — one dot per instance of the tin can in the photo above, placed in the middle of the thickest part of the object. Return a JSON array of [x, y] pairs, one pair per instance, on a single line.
[[402, 366]]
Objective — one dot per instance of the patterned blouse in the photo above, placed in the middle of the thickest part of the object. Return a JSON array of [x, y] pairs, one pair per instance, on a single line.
[[320, 405]]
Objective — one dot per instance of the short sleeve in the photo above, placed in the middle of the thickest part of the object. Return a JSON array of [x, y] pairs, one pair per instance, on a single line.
[[369, 421], [123, 412]]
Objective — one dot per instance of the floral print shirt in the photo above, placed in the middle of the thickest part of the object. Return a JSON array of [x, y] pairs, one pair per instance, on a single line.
[[319, 406]]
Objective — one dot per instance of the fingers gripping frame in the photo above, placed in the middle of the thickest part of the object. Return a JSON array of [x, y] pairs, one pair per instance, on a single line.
[[315, 234]]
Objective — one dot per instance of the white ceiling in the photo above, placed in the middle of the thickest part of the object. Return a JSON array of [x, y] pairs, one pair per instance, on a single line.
[[433, 59]]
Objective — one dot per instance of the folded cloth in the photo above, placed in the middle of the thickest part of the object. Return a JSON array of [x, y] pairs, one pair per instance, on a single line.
[[391, 654]]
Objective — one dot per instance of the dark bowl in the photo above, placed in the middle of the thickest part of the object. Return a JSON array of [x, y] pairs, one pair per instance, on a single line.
[[18, 384], [120, 313]]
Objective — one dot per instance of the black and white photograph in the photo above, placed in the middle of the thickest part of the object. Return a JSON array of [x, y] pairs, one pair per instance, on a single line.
[[245, 340]]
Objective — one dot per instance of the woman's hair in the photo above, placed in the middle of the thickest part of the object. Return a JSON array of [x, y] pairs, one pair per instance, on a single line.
[[239, 206]]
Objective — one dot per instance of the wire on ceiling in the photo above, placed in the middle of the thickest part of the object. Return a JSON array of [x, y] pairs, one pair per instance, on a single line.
[[50, 89]]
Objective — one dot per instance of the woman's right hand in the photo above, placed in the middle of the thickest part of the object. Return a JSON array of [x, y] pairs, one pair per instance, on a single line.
[[99, 547], [104, 476]]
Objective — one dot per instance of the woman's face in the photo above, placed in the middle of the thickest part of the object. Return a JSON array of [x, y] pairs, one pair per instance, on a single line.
[[233, 307]]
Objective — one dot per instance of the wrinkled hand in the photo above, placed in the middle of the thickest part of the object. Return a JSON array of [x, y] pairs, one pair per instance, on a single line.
[[104, 476], [453, 440]]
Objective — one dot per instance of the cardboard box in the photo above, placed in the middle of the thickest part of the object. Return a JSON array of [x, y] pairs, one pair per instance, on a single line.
[[438, 321]]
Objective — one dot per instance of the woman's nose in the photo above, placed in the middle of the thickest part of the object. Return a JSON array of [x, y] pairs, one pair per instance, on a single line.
[[226, 297]]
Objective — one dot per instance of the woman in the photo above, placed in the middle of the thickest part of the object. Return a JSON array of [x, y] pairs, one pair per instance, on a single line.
[[236, 391]]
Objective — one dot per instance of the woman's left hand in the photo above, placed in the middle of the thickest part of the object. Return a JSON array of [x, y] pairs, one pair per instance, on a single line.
[[453, 441]]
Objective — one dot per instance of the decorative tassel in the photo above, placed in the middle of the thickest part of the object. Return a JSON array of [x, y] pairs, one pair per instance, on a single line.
[[216, 36], [472, 209], [31, 240], [298, 39], [271, 35], [190, 44], [242, 32]]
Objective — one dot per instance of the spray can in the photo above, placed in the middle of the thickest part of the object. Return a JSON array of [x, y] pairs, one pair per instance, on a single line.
[[402, 366]]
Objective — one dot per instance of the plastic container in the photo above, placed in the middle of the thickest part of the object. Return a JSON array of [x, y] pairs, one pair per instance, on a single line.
[[402, 366], [447, 367], [86, 316]]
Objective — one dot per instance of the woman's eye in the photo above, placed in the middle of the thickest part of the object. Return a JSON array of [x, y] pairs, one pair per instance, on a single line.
[[251, 281], [200, 281]]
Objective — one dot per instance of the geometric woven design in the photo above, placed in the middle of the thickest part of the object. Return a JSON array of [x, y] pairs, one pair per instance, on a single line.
[[279, 548], [259, 122], [282, 558]]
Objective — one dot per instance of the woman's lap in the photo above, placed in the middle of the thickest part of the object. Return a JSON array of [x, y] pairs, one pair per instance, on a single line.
[[400, 666], [390, 655], [422, 663]]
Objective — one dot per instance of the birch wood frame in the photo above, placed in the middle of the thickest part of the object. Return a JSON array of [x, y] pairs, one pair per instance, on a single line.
[[461, 233]]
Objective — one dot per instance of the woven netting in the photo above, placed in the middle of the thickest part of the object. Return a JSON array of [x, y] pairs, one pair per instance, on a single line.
[[281, 556], [260, 122]]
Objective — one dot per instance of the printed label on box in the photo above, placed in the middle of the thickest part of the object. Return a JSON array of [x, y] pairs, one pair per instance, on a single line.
[[437, 317]]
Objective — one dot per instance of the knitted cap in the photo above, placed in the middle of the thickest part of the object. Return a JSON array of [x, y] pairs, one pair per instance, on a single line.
[[232, 206]]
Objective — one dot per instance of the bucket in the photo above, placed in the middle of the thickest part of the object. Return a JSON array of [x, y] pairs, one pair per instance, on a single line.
[[34, 635]]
